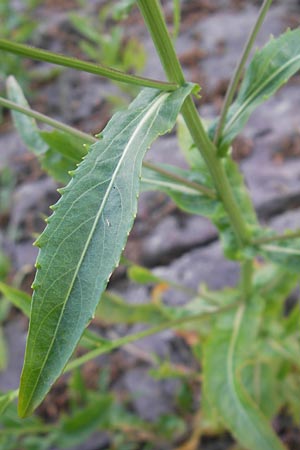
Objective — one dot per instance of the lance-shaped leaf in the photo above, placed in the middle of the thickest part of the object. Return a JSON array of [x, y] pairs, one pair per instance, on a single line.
[[6, 399], [25, 125], [268, 71], [85, 236], [225, 354]]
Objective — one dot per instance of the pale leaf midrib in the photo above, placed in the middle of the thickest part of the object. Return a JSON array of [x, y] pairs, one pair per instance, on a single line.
[[155, 105]]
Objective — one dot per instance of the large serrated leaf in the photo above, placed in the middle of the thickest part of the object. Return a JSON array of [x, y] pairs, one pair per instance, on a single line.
[[85, 236], [269, 70], [225, 353]]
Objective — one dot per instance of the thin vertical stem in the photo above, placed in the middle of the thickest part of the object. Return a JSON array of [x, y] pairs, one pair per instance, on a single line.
[[240, 67], [156, 24]]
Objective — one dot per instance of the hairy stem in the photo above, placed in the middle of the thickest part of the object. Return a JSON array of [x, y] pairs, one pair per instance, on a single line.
[[155, 22], [77, 64], [240, 67]]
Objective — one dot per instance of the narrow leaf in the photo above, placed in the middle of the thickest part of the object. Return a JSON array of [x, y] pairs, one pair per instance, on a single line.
[[284, 253], [25, 125], [6, 399], [76, 429], [270, 69], [18, 298], [226, 352], [64, 153], [85, 236], [141, 275]]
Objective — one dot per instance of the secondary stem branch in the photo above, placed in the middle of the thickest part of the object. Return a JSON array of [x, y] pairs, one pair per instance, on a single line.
[[239, 68], [77, 64]]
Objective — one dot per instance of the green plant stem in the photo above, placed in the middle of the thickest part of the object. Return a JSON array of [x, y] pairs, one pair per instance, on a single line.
[[246, 278], [45, 119], [176, 18], [155, 22], [77, 64], [91, 140], [240, 67], [107, 347], [196, 186], [279, 237]]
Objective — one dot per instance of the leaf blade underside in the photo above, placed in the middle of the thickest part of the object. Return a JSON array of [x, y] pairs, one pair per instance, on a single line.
[[85, 236]]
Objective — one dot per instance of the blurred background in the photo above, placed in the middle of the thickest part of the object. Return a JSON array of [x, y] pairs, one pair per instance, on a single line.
[[148, 393]]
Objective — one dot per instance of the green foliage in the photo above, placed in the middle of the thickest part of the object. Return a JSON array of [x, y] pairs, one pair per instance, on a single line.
[[248, 344], [57, 151], [15, 24], [268, 71], [230, 344], [26, 126], [110, 48], [110, 205]]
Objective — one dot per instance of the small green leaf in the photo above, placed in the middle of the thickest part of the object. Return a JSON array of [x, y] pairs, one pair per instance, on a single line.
[[226, 352], [286, 254], [6, 399], [261, 379], [73, 148], [76, 429], [85, 236], [269, 70], [18, 298], [142, 275], [25, 125], [58, 152], [114, 309], [64, 153], [122, 9]]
